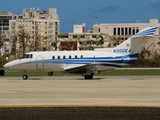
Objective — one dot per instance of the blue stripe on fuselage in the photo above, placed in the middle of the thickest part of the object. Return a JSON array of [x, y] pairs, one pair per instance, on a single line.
[[88, 60]]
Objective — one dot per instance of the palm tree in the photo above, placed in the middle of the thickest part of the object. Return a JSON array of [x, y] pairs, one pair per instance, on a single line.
[[33, 44], [70, 45], [21, 38], [13, 40], [100, 40], [54, 44], [42, 43]]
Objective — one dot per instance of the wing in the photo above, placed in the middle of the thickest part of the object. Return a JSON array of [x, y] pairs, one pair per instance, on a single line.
[[82, 69]]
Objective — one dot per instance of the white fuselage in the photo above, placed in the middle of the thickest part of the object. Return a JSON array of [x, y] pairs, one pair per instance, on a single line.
[[61, 60]]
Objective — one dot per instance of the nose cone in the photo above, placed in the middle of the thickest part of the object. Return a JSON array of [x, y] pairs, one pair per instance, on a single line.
[[12, 65], [8, 65]]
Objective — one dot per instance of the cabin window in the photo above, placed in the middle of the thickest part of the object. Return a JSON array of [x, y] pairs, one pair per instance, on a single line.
[[26, 56], [76, 56], [58, 57], [64, 57], [53, 57], [81, 56], [31, 56], [70, 57]]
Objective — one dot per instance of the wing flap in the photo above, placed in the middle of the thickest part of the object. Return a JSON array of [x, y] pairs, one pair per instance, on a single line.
[[83, 69]]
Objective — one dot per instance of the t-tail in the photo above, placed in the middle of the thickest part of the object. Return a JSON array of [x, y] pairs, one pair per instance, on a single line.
[[134, 44]]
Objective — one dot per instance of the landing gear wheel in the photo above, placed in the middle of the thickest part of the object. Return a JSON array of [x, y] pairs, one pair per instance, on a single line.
[[91, 76], [25, 77], [50, 73], [85, 76], [88, 76]]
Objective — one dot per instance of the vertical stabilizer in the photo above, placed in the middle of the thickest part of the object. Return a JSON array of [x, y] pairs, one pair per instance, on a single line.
[[134, 44]]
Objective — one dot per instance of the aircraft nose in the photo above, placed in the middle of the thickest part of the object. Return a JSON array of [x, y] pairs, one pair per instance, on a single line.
[[7, 66]]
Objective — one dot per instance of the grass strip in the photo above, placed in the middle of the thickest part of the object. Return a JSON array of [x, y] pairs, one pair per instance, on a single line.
[[108, 73]]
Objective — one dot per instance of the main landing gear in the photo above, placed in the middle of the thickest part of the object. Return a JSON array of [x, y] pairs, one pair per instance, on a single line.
[[88, 76]]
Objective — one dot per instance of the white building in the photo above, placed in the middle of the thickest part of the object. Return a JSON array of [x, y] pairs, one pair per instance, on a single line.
[[44, 26], [5, 16], [80, 40], [79, 28]]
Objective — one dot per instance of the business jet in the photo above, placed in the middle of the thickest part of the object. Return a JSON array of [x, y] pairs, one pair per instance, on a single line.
[[86, 63]]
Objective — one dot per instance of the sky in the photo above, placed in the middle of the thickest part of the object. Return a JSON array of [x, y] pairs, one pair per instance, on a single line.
[[73, 12]]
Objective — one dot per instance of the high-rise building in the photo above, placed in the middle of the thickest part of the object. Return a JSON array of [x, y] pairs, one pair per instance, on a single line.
[[5, 16], [42, 29]]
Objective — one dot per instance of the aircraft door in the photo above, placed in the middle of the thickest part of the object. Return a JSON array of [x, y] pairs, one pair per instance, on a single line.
[[40, 63]]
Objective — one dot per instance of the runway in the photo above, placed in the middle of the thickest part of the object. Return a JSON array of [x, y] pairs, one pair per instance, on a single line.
[[74, 92], [67, 90]]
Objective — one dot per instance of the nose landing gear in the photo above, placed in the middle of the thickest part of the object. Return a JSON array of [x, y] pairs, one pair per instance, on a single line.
[[25, 77]]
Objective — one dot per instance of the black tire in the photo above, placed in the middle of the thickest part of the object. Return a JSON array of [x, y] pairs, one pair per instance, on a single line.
[[25, 77], [88, 76], [91, 76], [85, 76], [50, 73]]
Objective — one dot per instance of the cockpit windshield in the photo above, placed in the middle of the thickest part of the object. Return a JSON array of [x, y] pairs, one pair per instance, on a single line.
[[26, 56]]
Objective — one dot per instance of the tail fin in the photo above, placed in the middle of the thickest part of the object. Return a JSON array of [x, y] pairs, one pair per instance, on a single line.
[[134, 44], [149, 31]]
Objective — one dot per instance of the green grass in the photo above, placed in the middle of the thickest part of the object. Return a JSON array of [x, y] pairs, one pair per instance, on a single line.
[[109, 73], [33, 73]]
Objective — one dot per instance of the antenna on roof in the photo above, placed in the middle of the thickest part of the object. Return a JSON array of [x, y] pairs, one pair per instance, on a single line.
[[137, 20], [96, 20]]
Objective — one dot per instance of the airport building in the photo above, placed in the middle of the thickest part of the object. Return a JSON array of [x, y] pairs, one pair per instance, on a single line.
[[118, 32], [81, 40], [41, 28]]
